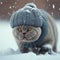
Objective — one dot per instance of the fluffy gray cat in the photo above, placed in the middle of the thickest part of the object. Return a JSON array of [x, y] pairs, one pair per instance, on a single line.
[[34, 30]]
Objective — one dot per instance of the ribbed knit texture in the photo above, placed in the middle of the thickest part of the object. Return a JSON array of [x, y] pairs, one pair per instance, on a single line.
[[28, 15]]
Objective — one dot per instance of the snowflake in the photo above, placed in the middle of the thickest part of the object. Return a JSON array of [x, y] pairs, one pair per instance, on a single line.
[[9, 13], [47, 0], [15, 2], [10, 7], [1, 3], [49, 5], [59, 8], [52, 13], [13, 6], [53, 6]]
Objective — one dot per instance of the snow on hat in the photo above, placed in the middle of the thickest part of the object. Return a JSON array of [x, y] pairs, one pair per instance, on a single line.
[[29, 15]]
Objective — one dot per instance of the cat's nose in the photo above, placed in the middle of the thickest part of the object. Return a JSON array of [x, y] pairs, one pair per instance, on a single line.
[[24, 33]]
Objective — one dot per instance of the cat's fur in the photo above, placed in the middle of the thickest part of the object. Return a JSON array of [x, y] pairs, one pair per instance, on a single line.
[[50, 41], [42, 38]]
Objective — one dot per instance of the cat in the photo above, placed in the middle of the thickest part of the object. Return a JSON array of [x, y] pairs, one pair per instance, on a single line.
[[38, 39]]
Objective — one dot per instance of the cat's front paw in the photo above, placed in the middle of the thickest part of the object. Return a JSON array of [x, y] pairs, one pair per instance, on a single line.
[[46, 48], [36, 50], [24, 50]]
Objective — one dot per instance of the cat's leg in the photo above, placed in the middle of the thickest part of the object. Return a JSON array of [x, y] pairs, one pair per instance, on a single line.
[[47, 47], [36, 50], [44, 47], [24, 50]]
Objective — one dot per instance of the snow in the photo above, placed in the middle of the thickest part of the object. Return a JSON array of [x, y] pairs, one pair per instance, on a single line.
[[15, 2], [10, 7], [47, 0], [1, 3], [53, 6], [49, 5], [52, 13], [9, 47], [13, 6], [30, 56], [59, 8]]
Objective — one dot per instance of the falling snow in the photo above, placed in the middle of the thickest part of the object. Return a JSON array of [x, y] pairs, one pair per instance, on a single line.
[[9, 13], [10, 7], [52, 13], [15, 2], [53, 6], [1, 3], [49, 5], [59, 8], [47, 0], [13, 6]]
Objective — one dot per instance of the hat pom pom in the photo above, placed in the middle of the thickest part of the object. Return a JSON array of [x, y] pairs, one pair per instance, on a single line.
[[32, 5]]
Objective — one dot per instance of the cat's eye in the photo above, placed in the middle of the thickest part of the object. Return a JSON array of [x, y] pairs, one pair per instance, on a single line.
[[29, 28], [19, 29]]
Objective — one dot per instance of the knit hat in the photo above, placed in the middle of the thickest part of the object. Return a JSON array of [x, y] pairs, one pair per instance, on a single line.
[[29, 15]]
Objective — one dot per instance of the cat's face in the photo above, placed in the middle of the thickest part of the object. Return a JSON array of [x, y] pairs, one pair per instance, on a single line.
[[27, 33]]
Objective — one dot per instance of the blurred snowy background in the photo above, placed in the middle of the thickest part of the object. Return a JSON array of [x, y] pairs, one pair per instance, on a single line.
[[7, 41], [7, 7]]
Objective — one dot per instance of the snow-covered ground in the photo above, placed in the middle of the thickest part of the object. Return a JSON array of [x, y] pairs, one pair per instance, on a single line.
[[8, 44]]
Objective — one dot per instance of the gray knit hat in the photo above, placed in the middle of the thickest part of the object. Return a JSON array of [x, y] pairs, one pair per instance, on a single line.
[[29, 15]]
